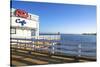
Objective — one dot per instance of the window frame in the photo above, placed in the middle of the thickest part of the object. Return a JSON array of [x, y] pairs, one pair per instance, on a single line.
[[33, 32], [13, 32]]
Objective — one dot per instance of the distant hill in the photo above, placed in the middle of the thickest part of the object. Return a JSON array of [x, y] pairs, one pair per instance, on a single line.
[[89, 33]]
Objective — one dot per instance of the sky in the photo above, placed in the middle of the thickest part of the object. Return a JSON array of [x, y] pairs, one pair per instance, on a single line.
[[64, 18]]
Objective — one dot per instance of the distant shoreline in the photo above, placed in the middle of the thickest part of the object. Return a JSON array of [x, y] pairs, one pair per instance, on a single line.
[[67, 33], [89, 34]]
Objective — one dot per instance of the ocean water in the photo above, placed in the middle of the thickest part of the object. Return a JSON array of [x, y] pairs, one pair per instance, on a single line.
[[84, 45], [76, 44], [78, 38]]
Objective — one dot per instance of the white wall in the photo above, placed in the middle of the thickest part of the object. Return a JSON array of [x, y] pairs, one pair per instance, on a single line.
[[32, 23], [22, 34], [29, 23]]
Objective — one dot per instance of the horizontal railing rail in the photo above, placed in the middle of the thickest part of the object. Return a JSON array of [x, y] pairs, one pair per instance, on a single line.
[[56, 46]]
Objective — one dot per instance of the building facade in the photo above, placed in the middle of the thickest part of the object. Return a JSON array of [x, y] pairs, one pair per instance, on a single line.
[[23, 24]]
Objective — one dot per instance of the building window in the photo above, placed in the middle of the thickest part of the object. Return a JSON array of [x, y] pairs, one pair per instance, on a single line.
[[13, 31], [33, 33]]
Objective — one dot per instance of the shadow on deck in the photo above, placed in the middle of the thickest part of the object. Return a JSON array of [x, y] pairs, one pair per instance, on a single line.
[[24, 57]]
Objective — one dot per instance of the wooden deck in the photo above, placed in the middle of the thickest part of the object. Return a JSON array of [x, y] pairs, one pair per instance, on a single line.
[[22, 57]]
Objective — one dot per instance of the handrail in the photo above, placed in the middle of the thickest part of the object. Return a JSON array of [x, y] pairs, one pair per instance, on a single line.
[[77, 50]]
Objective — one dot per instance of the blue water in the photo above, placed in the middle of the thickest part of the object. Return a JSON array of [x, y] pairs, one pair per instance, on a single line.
[[87, 42], [74, 39], [78, 38], [72, 43]]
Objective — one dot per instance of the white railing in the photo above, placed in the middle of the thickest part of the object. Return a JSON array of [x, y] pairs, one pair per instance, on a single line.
[[53, 46]]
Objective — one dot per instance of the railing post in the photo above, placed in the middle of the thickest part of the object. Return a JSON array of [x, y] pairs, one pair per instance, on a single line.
[[17, 44], [79, 50], [53, 48], [78, 53], [25, 44]]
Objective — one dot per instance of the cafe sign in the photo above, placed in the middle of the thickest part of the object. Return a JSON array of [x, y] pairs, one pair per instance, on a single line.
[[22, 22], [21, 13]]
